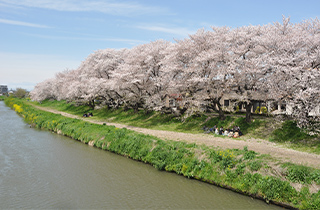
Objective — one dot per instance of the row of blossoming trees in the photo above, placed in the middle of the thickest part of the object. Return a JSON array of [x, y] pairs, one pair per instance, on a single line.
[[281, 61]]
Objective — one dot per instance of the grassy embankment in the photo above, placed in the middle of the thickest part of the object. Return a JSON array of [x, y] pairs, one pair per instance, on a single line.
[[2, 98], [283, 132], [240, 170]]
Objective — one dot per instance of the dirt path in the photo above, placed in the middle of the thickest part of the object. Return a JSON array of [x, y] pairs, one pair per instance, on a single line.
[[258, 145]]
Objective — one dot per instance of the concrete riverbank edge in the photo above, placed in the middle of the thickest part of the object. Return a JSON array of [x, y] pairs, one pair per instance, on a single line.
[[177, 157]]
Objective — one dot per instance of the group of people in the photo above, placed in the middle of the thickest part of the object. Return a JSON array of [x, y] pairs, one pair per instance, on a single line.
[[87, 114], [230, 132]]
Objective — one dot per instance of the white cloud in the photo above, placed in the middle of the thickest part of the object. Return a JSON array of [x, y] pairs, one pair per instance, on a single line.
[[20, 23], [87, 38], [109, 7], [183, 32]]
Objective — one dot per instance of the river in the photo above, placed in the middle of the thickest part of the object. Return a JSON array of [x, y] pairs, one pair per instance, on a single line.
[[41, 170]]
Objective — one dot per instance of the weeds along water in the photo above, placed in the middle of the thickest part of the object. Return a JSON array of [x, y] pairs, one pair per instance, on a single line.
[[241, 170]]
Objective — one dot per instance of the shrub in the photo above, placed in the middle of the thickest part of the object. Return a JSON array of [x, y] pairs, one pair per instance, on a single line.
[[225, 158], [299, 173], [315, 176], [311, 202], [257, 110], [240, 168], [274, 188], [255, 165], [17, 108], [264, 110], [248, 154], [20, 93]]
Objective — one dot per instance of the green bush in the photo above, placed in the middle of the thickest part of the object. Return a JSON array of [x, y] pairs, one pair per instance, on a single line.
[[248, 154], [20, 93], [240, 168], [314, 202], [302, 174], [264, 110], [225, 158], [255, 165], [274, 188], [315, 176], [299, 174], [257, 111]]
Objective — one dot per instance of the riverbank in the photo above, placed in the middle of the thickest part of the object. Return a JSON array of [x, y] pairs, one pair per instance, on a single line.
[[277, 150], [241, 170], [274, 130], [258, 145]]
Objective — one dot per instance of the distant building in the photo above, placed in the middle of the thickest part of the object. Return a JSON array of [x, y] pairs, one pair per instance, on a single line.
[[3, 89], [230, 102], [173, 100]]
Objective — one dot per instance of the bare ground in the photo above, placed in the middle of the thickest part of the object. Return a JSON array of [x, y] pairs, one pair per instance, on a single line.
[[257, 145]]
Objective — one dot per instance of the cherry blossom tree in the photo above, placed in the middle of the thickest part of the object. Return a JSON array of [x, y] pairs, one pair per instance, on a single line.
[[295, 58], [140, 75], [176, 64], [247, 67], [209, 70], [96, 73], [278, 61], [43, 90]]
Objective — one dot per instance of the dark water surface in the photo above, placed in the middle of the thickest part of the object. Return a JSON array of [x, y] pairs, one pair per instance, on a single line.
[[41, 170]]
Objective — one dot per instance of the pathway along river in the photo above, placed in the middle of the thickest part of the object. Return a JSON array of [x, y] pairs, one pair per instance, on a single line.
[[40, 169]]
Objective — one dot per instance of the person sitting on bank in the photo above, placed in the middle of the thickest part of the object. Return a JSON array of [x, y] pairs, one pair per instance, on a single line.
[[90, 114], [230, 133], [214, 127], [237, 129], [226, 132], [240, 133], [236, 134], [221, 131], [209, 130], [216, 131], [205, 129], [85, 115]]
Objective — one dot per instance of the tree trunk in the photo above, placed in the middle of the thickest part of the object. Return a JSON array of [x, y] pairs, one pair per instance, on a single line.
[[248, 106], [125, 108], [221, 112], [147, 111], [136, 108], [91, 104]]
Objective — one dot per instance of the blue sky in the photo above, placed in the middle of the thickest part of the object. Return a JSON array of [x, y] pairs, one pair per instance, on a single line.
[[39, 38]]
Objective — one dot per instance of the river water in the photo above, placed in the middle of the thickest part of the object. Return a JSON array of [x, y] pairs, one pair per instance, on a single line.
[[41, 170]]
